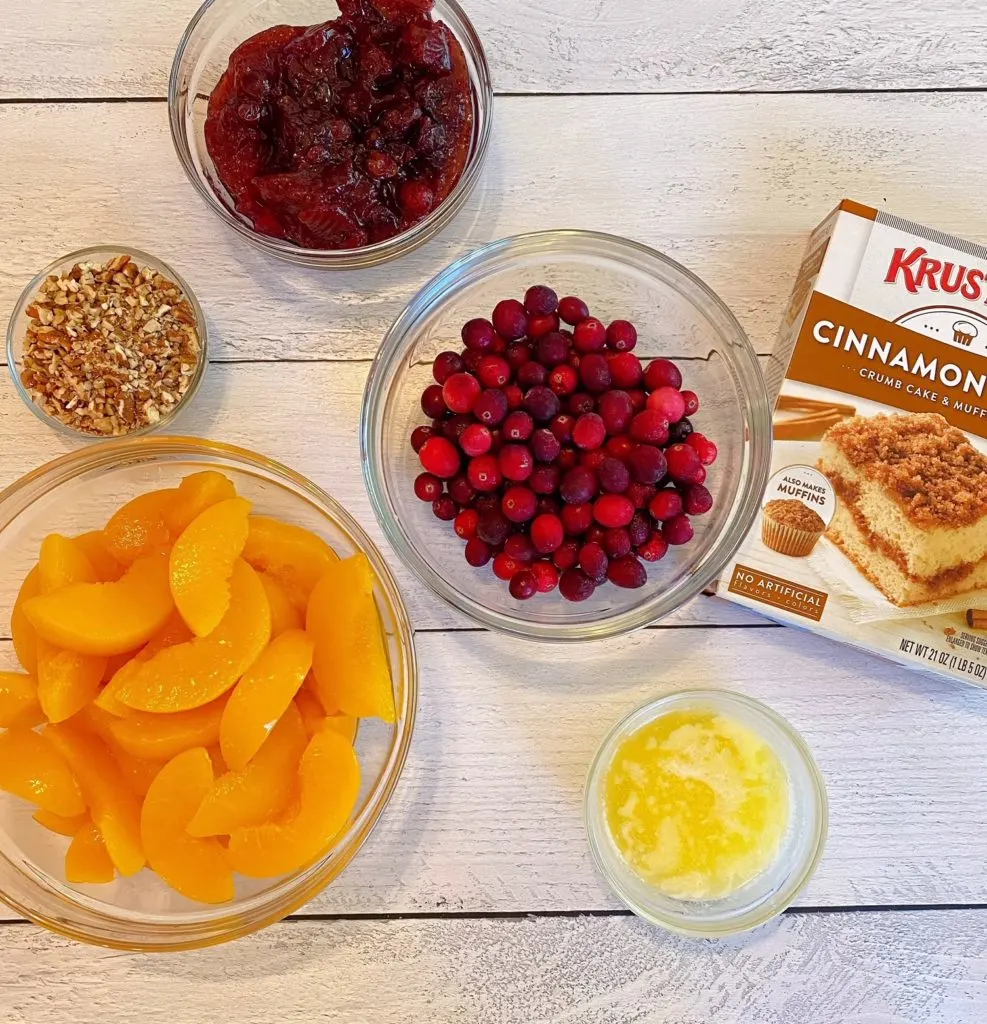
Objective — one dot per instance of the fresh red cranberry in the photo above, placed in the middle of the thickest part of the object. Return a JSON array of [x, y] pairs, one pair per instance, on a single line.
[[506, 568], [471, 359], [548, 506], [518, 426], [589, 431], [546, 576], [455, 426], [547, 534], [627, 572], [514, 396], [649, 427], [613, 475], [654, 549], [491, 408], [519, 547], [510, 320], [575, 585], [589, 336], [620, 446], [580, 403], [494, 371], [552, 349], [573, 310], [428, 487], [516, 462], [466, 523], [568, 459], [578, 486], [540, 300], [697, 500], [545, 479], [616, 409], [617, 542], [493, 527], [499, 347], [487, 503], [539, 325], [542, 403], [691, 402], [440, 456], [478, 552], [680, 431], [703, 447], [683, 461], [517, 354], [666, 505], [639, 529], [519, 504], [699, 477], [594, 535], [678, 530], [531, 374], [567, 556], [562, 426], [433, 404], [626, 370], [523, 585], [668, 402], [444, 508], [461, 392], [545, 445], [621, 336], [639, 399], [462, 491], [593, 561], [577, 519], [594, 372], [662, 373], [640, 494], [647, 464], [446, 364], [563, 380], [592, 458], [484, 473], [419, 436], [478, 335], [612, 510]]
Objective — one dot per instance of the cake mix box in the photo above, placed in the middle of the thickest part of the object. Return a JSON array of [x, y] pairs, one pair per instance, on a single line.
[[873, 528]]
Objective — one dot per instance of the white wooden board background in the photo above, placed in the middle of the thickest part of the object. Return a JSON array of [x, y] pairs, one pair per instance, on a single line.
[[723, 131]]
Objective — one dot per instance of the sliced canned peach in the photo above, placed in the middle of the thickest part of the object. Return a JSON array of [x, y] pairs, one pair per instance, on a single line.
[[195, 494], [21, 631], [106, 618], [137, 772], [93, 544], [87, 859], [328, 788], [312, 712], [67, 680], [202, 561], [59, 824], [63, 561], [345, 725], [261, 790], [35, 769], [294, 556], [350, 662], [19, 700], [262, 695], [162, 737], [196, 867], [114, 808], [192, 674], [140, 527], [284, 615]]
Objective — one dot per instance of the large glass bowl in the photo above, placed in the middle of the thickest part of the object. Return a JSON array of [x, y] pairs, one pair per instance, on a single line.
[[676, 315], [79, 492], [217, 28]]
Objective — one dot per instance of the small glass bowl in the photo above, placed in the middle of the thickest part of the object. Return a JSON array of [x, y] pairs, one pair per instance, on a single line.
[[765, 896], [217, 28], [19, 320], [676, 316], [79, 492]]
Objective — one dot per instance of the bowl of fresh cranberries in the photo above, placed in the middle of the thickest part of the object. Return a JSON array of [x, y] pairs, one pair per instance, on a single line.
[[339, 134], [566, 435]]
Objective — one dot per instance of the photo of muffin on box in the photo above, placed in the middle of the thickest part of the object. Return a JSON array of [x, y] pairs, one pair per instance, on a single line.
[[790, 527]]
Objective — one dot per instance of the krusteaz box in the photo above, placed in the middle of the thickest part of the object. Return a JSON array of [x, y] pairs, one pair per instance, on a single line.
[[873, 529]]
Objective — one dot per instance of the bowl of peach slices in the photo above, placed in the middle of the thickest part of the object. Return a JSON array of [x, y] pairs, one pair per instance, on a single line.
[[208, 697]]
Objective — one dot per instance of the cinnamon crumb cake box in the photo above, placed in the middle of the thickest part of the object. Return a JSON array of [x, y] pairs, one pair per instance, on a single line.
[[873, 529]]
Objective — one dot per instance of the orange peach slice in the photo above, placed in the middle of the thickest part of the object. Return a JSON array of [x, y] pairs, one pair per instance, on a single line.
[[262, 789], [21, 631], [350, 662], [34, 769], [67, 680], [345, 725], [262, 695], [87, 859], [62, 561], [195, 494], [312, 712], [106, 618], [114, 808], [162, 737], [140, 527], [93, 545], [189, 675], [137, 773], [284, 615], [19, 700], [329, 785], [193, 866], [59, 824], [295, 557], [202, 561]]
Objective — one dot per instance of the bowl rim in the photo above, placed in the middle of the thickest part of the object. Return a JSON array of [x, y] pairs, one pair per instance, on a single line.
[[418, 234], [224, 923], [744, 919], [756, 411], [81, 256]]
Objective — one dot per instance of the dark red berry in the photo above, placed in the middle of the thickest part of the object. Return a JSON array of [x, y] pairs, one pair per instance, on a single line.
[[621, 336], [494, 371], [516, 462], [471, 359], [620, 447], [697, 500], [594, 372], [573, 310], [444, 508], [647, 464], [589, 431], [523, 585], [666, 505], [542, 403], [446, 364], [568, 459], [547, 534], [577, 519], [548, 506], [545, 479], [567, 556], [562, 426], [493, 527], [517, 354], [649, 427], [626, 370], [592, 458], [454, 427], [640, 494], [499, 347], [477, 552], [683, 462], [593, 561], [475, 440], [545, 445], [551, 349], [478, 335], [612, 510], [460, 392], [428, 487], [627, 572], [518, 426], [680, 431], [419, 436], [678, 530], [491, 408], [519, 504], [563, 380], [662, 373], [691, 402], [484, 473], [639, 529], [510, 320], [589, 336], [617, 411], [539, 325], [580, 403], [514, 396], [578, 486], [505, 567], [639, 399], [668, 402], [699, 477], [546, 576], [617, 542], [462, 491], [433, 404], [440, 456], [654, 549], [703, 447], [613, 475], [531, 374], [519, 547], [575, 585], [540, 300], [466, 523]]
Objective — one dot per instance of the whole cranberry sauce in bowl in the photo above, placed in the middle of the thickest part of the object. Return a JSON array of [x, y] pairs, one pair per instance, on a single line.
[[339, 143], [566, 435]]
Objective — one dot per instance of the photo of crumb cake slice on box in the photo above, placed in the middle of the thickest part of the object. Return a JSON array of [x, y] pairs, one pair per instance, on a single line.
[[912, 510]]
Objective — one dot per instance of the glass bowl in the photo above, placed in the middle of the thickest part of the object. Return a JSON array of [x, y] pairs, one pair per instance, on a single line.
[[676, 315], [19, 320], [78, 492], [217, 28], [765, 896]]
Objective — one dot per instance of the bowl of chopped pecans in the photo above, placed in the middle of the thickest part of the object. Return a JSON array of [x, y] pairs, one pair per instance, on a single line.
[[107, 342]]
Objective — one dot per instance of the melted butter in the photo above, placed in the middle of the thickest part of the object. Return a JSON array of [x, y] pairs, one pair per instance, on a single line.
[[697, 804]]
